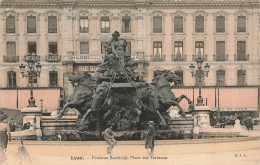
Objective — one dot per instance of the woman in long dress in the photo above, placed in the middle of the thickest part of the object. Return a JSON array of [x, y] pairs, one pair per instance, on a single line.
[[5, 132]]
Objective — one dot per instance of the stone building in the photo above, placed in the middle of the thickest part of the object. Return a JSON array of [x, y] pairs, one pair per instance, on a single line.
[[161, 34]]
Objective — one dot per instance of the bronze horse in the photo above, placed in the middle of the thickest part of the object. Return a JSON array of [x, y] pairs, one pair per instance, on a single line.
[[167, 98], [81, 98]]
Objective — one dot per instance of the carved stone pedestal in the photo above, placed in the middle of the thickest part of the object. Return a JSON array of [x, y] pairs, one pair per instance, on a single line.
[[33, 115], [201, 116]]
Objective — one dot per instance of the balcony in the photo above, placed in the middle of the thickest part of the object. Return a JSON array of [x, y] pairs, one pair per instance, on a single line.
[[31, 56], [179, 58], [241, 57], [92, 58], [53, 58], [157, 58], [204, 57], [220, 57], [11, 58]]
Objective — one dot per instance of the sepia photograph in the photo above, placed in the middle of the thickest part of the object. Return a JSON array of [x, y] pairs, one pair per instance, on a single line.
[[129, 82]]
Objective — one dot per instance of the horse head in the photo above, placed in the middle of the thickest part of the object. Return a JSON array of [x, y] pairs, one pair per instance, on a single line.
[[172, 77], [81, 78]]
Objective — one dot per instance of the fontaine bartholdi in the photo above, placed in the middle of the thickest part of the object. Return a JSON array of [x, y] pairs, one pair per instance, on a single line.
[[116, 95]]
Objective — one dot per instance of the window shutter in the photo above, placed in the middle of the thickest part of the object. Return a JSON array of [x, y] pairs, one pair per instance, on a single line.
[[10, 24], [11, 49], [52, 24], [31, 24], [220, 23], [157, 24], [199, 24], [178, 24], [84, 48]]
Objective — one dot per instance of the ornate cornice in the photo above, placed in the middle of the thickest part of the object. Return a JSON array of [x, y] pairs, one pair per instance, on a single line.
[[181, 4]]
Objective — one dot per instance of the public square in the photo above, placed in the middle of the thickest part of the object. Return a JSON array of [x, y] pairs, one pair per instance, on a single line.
[[227, 151]]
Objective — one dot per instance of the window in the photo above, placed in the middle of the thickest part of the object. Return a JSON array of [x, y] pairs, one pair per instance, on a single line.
[[241, 51], [157, 24], [53, 75], [10, 24], [126, 24], [157, 49], [84, 48], [105, 26], [220, 51], [220, 77], [199, 77], [241, 24], [220, 24], [83, 25], [32, 47], [129, 47], [53, 47], [180, 74], [31, 24], [241, 77], [178, 24], [52, 24], [199, 24], [11, 49], [199, 48], [178, 49], [11, 79], [103, 49]]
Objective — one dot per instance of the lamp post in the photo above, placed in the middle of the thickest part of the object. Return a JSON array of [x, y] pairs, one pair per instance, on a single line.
[[199, 61], [33, 70]]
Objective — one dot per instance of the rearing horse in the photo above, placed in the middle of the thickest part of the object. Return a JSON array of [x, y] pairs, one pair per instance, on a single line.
[[167, 98], [81, 98]]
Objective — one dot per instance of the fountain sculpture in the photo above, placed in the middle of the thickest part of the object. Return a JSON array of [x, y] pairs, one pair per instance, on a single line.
[[115, 94]]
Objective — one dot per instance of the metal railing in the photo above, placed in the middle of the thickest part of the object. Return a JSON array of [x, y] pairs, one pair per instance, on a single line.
[[157, 58], [179, 58], [11, 58], [204, 57], [220, 58], [53, 58], [88, 58], [241, 57]]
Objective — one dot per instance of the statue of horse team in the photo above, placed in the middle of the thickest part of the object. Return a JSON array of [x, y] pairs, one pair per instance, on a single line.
[[155, 98], [129, 106]]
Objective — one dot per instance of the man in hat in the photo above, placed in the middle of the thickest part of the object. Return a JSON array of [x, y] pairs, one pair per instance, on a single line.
[[149, 143], [109, 137]]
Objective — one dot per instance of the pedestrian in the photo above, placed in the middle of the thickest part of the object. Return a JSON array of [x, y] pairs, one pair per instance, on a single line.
[[5, 132], [249, 123], [149, 143], [109, 138], [12, 125], [22, 153], [223, 122]]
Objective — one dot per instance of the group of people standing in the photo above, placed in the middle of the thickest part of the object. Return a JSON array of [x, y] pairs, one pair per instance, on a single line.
[[111, 141]]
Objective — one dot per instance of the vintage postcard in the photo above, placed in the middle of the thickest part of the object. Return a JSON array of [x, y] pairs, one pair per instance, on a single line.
[[130, 82]]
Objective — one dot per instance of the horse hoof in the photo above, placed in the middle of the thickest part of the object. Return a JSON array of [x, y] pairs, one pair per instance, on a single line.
[[59, 116], [163, 124]]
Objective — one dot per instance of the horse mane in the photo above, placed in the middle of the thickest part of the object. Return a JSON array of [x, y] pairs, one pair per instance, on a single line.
[[159, 80]]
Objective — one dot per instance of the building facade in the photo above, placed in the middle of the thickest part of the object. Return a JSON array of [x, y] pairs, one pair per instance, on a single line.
[[68, 36]]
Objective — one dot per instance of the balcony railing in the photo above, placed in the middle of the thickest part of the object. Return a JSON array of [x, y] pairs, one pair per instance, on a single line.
[[204, 57], [53, 58], [157, 58], [241, 57], [220, 58], [11, 58], [88, 58], [32, 56], [179, 58]]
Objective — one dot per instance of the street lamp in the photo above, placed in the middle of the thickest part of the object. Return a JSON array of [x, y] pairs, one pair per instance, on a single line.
[[199, 61], [34, 70]]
